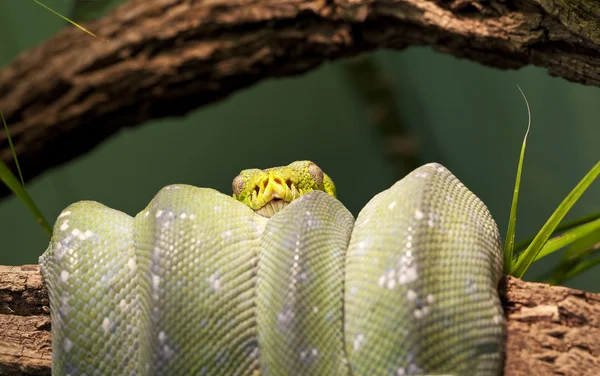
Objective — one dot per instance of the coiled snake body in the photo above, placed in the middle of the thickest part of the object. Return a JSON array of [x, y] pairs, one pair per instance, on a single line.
[[200, 283]]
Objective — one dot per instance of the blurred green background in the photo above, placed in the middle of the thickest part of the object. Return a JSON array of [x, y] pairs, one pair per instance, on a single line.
[[468, 117]]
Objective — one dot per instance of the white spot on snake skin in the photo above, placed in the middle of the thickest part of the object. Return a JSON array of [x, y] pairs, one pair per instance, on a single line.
[[307, 212], [391, 206], [315, 352], [469, 287], [413, 369], [391, 283], [429, 298], [214, 281], [421, 175], [407, 269], [168, 351], [315, 309], [418, 214], [162, 337], [155, 281], [353, 290], [400, 372], [159, 213], [106, 324], [131, 264], [411, 295], [192, 216], [430, 223], [68, 345], [64, 275], [226, 234], [83, 235], [64, 214], [146, 214], [296, 257], [64, 304], [183, 215], [123, 304], [382, 281], [418, 314], [358, 340], [497, 319], [76, 232], [216, 208]]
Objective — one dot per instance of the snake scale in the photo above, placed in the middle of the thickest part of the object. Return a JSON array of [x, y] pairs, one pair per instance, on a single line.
[[279, 280]]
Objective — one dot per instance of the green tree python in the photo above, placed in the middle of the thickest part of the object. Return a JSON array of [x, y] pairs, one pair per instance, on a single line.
[[279, 280]]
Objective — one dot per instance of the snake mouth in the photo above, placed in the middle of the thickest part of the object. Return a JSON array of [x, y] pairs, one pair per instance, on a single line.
[[272, 207]]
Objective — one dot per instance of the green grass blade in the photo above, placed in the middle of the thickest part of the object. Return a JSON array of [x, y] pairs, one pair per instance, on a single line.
[[12, 148], [567, 238], [13, 184], [18, 189], [526, 258], [575, 253], [68, 20], [509, 241], [563, 227], [578, 269]]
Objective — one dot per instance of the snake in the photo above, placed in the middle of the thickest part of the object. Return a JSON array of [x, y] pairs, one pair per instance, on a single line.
[[279, 278]]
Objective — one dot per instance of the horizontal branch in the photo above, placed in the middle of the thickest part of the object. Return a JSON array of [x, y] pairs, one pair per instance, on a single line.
[[166, 58], [551, 330]]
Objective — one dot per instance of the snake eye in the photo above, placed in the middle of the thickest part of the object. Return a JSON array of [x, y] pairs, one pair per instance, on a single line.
[[238, 185], [316, 173]]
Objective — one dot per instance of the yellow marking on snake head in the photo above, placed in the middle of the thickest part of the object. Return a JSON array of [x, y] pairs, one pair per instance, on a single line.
[[269, 191]]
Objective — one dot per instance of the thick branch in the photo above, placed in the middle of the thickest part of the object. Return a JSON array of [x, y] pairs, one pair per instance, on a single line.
[[551, 330], [168, 57]]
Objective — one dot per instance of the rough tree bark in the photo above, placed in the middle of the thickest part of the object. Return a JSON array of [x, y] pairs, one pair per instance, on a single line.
[[168, 57], [551, 330]]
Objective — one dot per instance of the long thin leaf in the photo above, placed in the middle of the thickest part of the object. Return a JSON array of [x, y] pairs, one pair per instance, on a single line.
[[581, 248], [567, 238], [18, 189], [578, 269], [13, 184], [522, 245], [509, 241], [530, 254], [68, 20], [12, 148]]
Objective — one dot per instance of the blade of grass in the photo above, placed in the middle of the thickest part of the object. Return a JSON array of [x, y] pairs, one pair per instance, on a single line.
[[18, 189], [526, 258], [509, 242], [581, 248], [12, 148], [563, 227], [578, 269], [13, 184], [68, 20], [567, 238]]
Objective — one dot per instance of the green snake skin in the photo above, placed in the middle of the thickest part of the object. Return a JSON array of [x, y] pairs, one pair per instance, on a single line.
[[199, 284]]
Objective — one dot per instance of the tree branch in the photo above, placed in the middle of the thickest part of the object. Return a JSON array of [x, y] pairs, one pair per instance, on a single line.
[[166, 58], [552, 330]]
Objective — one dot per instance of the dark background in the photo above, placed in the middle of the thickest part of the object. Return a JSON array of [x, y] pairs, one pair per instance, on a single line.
[[468, 117]]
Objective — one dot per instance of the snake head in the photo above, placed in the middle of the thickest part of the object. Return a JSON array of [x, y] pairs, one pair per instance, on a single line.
[[269, 191]]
